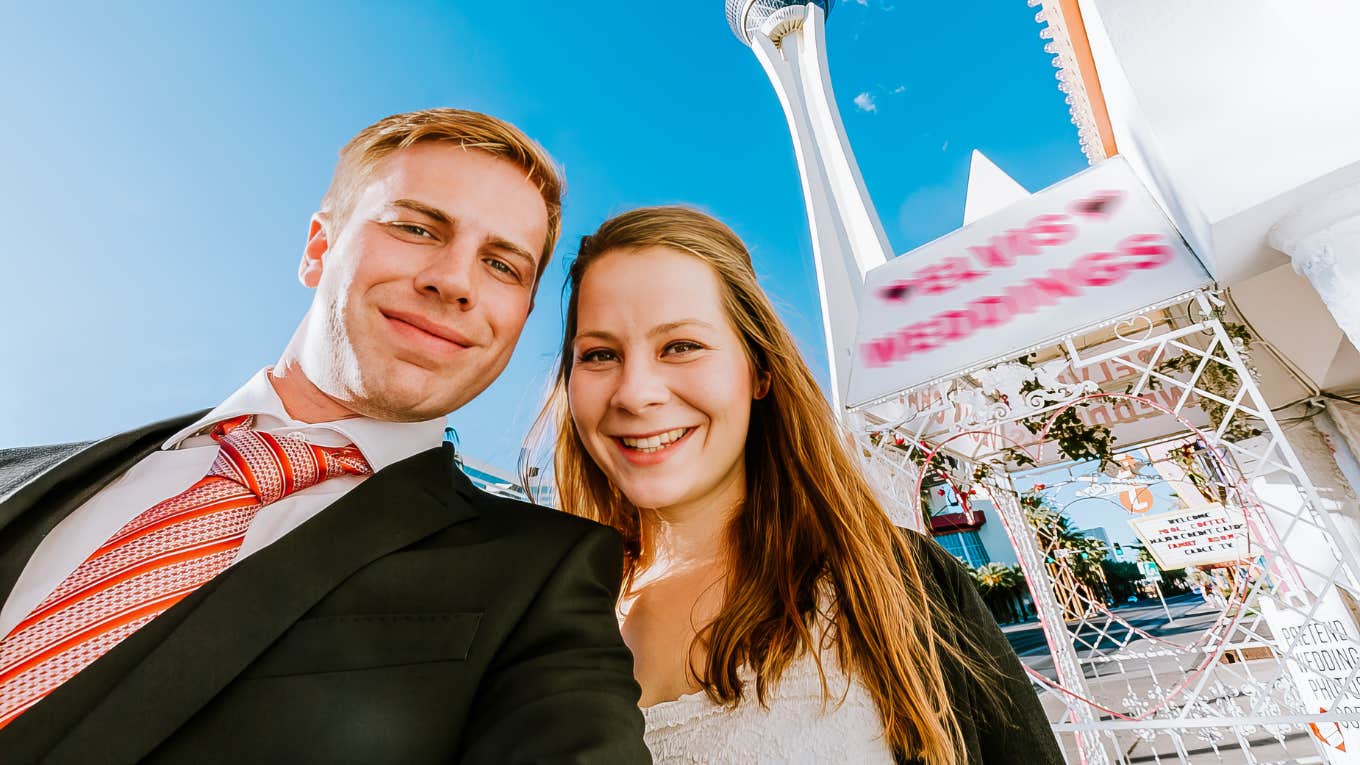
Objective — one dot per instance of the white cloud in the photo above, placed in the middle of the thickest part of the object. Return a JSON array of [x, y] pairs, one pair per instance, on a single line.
[[899, 89], [865, 102], [862, 2]]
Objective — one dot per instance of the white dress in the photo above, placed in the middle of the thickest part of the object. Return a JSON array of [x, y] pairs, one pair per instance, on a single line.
[[796, 728]]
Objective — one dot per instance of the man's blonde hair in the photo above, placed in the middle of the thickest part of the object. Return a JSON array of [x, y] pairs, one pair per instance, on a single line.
[[471, 130]]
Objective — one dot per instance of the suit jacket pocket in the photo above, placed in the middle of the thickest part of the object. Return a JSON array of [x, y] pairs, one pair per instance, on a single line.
[[367, 641]]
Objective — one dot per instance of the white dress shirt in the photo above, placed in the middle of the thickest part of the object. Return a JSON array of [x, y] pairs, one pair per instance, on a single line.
[[183, 459]]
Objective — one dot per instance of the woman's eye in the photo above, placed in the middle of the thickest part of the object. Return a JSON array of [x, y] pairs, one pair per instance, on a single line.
[[682, 346], [596, 355]]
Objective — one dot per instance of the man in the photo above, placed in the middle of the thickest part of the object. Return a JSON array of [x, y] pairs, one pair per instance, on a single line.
[[301, 574]]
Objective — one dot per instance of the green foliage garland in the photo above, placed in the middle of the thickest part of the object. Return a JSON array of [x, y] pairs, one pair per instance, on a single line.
[[1075, 439]]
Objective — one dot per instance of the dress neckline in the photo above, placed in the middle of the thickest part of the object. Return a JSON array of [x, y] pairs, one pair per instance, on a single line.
[[678, 699]]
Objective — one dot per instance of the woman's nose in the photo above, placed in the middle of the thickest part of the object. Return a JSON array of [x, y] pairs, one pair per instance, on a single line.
[[641, 386]]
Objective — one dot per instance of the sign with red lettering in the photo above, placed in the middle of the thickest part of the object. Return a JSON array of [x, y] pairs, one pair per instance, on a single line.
[[1197, 536], [1089, 249]]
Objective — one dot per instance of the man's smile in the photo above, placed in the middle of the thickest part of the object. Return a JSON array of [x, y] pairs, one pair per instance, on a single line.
[[426, 334]]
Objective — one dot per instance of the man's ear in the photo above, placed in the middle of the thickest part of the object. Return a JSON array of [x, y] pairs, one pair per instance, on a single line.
[[762, 386], [313, 255]]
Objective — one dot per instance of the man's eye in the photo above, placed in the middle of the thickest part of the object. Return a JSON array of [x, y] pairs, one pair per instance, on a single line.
[[414, 230], [502, 266]]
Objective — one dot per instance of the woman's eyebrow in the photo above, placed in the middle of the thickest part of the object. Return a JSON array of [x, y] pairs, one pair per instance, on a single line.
[[598, 334], [671, 326], [659, 329]]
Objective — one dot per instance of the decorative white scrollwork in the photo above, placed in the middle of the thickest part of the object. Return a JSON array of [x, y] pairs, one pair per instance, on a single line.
[[1134, 329], [1007, 384]]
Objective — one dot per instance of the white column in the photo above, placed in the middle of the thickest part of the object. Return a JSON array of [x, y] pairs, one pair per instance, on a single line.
[[1322, 238], [847, 238]]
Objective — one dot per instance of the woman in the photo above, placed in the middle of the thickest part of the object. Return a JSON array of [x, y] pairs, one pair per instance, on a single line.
[[774, 612]]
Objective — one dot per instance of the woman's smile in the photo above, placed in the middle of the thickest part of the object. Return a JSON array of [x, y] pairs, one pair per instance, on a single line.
[[653, 449]]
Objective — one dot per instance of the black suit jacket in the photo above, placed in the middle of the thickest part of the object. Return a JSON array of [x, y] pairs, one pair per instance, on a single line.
[[414, 620]]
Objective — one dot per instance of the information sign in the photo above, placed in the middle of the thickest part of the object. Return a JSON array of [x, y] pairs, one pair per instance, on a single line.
[[1196, 536]]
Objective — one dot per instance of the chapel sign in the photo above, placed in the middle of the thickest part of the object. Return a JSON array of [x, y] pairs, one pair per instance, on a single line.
[[1091, 248]]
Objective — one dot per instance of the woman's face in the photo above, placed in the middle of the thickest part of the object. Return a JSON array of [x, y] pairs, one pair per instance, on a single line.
[[660, 386]]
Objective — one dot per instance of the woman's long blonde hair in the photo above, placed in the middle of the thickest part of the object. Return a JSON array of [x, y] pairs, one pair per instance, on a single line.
[[808, 515]]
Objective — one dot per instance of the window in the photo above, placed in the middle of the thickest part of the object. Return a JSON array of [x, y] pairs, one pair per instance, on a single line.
[[966, 546]]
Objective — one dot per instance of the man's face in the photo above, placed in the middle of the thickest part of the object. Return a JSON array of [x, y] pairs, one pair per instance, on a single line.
[[422, 293]]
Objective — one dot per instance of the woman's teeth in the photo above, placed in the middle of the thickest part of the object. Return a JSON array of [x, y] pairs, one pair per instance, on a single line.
[[654, 443]]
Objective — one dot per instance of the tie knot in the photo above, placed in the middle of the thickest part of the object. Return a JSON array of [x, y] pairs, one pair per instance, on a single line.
[[272, 467]]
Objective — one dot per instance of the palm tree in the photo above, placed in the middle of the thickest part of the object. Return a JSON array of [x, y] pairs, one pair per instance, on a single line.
[[995, 576], [1073, 559], [1000, 586], [1082, 554]]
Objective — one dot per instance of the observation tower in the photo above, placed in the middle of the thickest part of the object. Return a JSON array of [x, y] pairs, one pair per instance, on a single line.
[[789, 40]]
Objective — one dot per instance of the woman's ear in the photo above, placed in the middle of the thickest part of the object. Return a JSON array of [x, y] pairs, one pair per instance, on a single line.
[[762, 386]]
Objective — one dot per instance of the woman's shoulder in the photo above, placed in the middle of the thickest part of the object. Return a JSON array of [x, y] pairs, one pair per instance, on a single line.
[[952, 592], [936, 564], [1002, 717]]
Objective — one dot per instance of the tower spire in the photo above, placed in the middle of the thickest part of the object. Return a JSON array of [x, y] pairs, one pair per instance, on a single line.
[[789, 40]]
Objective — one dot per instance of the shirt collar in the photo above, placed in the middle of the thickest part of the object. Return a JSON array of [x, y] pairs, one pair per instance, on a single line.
[[382, 443]]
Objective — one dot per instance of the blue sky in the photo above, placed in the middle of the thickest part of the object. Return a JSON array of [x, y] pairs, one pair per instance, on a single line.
[[160, 163], [1067, 492]]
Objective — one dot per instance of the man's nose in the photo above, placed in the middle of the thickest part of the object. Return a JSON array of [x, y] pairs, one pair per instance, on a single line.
[[451, 273], [641, 386]]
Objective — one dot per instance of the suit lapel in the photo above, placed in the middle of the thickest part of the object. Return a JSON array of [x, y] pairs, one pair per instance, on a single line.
[[32, 511], [256, 601]]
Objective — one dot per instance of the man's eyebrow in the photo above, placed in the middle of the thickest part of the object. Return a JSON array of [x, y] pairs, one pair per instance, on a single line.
[[434, 213], [513, 249], [439, 216]]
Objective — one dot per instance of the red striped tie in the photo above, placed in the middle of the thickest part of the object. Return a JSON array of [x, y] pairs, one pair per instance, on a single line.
[[158, 558]]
